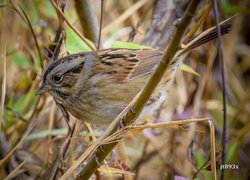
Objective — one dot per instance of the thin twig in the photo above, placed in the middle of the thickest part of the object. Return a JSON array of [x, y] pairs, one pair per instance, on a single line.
[[220, 53], [3, 56], [100, 29], [3, 64], [33, 34], [212, 149]]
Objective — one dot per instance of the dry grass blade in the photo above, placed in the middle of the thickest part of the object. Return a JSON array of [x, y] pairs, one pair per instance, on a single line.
[[121, 133], [114, 171], [3, 56], [187, 46], [16, 171], [212, 148], [92, 134], [3, 65], [205, 11], [167, 124]]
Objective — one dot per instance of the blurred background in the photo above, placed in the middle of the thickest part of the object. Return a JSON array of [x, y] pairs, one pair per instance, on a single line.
[[165, 153]]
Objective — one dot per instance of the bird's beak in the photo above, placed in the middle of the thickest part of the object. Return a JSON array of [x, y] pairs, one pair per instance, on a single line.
[[42, 89]]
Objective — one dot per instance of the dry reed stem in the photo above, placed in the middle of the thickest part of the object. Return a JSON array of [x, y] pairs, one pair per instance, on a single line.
[[3, 65], [88, 19], [16, 171], [3, 57], [204, 13], [114, 171], [212, 148]]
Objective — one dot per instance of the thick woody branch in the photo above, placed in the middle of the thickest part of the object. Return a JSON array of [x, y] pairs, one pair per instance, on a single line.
[[88, 19], [103, 151]]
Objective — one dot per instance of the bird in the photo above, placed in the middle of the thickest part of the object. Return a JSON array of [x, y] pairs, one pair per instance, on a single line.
[[96, 86]]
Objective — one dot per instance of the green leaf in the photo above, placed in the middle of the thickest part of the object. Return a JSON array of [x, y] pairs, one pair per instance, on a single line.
[[188, 69], [199, 159], [46, 133], [122, 44], [227, 8], [74, 43], [47, 5], [232, 150], [54, 132]]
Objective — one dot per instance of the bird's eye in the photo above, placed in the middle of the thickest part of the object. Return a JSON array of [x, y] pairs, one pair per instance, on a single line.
[[57, 78]]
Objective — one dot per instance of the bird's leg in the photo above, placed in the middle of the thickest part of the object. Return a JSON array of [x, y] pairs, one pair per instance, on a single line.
[[96, 160], [120, 123]]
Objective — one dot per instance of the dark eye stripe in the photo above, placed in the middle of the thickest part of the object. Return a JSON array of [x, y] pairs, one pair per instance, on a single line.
[[76, 70], [61, 61]]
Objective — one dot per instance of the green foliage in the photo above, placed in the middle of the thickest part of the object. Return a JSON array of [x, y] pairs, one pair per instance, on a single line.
[[232, 9], [20, 60], [55, 132], [188, 69], [232, 151], [130, 45], [46, 133], [200, 160], [74, 43]]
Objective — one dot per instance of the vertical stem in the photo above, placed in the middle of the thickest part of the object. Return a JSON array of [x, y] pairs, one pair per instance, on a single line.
[[224, 131], [3, 57], [212, 148], [88, 19], [3, 63], [100, 28]]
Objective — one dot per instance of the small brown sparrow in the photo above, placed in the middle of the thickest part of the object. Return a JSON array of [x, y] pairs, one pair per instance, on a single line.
[[96, 86]]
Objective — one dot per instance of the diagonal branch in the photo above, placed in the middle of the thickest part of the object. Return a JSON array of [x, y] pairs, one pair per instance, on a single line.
[[102, 152]]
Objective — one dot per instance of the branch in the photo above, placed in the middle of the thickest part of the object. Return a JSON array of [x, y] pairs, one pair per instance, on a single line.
[[88, 19], [102, 152]]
